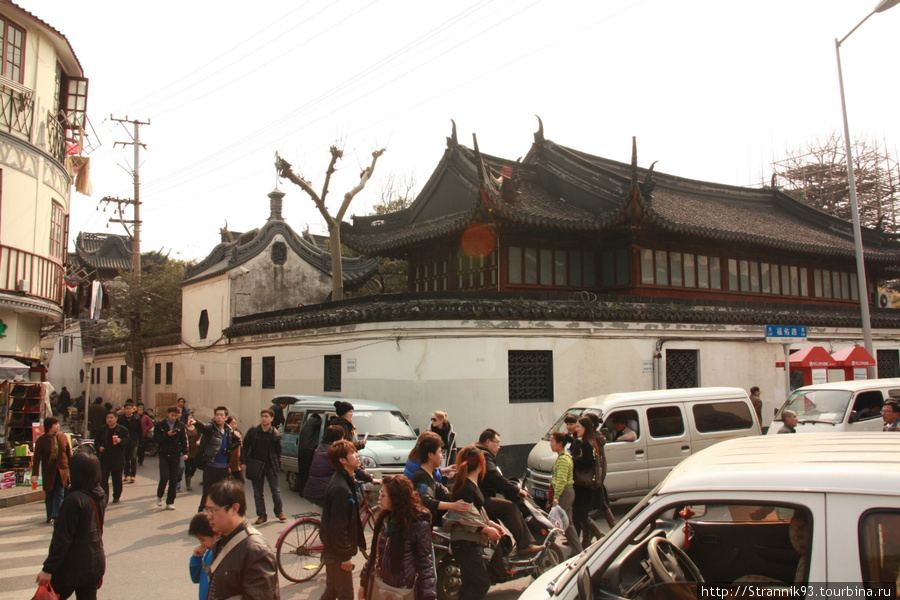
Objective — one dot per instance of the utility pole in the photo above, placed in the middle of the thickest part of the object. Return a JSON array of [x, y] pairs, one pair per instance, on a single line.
[[137, 366], [136, 201]]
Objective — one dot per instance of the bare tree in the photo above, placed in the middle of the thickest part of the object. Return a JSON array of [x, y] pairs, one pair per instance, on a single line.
[[334, 222], [817, 175]]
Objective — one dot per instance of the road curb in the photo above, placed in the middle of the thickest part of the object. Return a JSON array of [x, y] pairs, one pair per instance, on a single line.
[[26, 496]]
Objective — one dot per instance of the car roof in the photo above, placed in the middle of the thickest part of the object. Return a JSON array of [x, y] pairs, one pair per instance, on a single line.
[[854, 386], [859, 463], [661, 396], [328, 402]]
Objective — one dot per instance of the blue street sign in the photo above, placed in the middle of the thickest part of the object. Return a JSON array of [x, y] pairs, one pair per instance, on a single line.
[[785, 334]]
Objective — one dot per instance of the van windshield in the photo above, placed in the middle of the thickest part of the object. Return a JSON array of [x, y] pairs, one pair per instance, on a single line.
[[382, 425], [560, 424], [817, 406]]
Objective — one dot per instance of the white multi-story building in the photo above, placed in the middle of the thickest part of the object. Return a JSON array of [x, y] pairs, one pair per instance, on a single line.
[[43, 97]]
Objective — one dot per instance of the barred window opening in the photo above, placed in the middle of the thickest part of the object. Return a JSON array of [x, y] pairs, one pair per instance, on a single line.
[[530, 376]]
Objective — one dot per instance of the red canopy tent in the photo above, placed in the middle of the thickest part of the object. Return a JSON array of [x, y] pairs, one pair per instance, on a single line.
[[854, 360], [807, 360]]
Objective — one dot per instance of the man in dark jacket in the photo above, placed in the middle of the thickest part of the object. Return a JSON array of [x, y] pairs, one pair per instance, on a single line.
[[65, 399], [435, 497], [243, 564], [96, 414], [341, 529], [261, 453], [109, 441], [132, 423], [500, 494], [217, 443], [171, 444]]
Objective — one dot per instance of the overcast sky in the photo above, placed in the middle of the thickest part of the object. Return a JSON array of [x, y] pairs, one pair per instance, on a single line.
[[713, 90]]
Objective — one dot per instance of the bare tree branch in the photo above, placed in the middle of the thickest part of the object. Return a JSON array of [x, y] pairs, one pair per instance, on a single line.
[[284, 170], [363, 180]]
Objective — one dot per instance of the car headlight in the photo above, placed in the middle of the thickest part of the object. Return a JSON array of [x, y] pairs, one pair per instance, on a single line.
[[367, 462]]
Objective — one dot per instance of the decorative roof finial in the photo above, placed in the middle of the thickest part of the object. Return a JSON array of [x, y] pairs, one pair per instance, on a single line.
[[475, 142], [452, 141], [539, 134], [275, 197], [774, 180], [634, 178]]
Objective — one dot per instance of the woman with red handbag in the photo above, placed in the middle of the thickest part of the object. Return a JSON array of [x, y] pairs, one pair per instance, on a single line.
[[76, 561], [401, 563]]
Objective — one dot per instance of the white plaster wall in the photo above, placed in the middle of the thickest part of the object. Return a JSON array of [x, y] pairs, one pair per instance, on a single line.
[[23, 334], [212, 295]]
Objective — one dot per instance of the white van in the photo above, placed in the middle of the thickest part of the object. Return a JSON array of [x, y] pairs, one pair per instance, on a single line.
[[839, 406], [814, 516], [670, 425]]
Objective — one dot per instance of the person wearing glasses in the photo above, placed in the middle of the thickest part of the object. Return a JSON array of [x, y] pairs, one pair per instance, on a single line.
[[243, 564], [500, 494], [441, 426]]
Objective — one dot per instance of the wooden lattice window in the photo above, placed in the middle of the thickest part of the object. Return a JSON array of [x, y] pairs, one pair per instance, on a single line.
[[332, 373], [268, 372], [246, 371], [530, 376], [888, 363], [12, 46], [682, 369]]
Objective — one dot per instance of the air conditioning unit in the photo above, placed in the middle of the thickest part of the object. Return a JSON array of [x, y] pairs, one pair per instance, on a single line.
[[23, 286], [884, 300]]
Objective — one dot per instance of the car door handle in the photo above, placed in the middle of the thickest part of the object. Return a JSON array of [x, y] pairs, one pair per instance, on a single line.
[[685, 448], [639, 454]]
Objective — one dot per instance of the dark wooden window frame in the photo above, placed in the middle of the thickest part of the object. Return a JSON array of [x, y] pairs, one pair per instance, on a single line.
[[170, 367], [268, 372], [157, 374], [246, 371], [123, 374]]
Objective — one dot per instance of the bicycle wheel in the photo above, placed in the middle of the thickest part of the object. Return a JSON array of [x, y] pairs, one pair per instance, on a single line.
[[368, 517], [299, 551]]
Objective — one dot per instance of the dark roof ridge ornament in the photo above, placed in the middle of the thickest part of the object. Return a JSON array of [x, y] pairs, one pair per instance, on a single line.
[[275, 198], [452, 141], [649, 182], [475, 146], [539, 134], [634, 174]]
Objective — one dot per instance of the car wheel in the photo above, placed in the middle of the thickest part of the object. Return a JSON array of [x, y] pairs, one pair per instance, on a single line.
[[293, 481]]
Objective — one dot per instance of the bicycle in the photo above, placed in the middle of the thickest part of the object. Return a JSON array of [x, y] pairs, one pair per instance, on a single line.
[[83, 446], [298, 550]]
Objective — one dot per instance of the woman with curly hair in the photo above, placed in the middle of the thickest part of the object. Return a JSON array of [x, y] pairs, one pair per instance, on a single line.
[[401, 554]]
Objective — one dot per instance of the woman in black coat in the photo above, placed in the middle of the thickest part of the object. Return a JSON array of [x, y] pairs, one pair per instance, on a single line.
[[402, 554], [588, 452], [76, 561]]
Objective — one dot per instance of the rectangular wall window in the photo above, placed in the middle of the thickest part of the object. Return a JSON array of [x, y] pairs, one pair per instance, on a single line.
[[754, 276], [123, 374], [515, 264], [689, 279], [702, 272], [817, 282], [662, 268], [795, 281], [12, 44], [682, 369], [531, 259], [764, 278], [647, 267], [623, 268], [268, 372], [109, 374], [776, 279], [57, 231], [888, 363], [675, 269], [785, 280], [169, 369], [530, 376], [157, 374], [575, 272], [332, 373], [246, 371], [733, 283], [804, 281]]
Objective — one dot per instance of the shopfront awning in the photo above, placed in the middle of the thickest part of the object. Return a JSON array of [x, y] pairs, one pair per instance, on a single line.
[[814, 357], [10, 368]]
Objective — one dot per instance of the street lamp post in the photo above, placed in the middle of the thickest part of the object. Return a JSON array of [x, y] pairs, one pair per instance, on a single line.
[[854, 205]]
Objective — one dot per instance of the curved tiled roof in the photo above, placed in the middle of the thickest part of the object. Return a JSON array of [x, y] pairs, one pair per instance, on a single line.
[[500, 306], [108, 252], [556, 187], [228, 255]]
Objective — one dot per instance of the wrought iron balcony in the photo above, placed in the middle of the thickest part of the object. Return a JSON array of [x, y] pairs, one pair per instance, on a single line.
[[16, 107]]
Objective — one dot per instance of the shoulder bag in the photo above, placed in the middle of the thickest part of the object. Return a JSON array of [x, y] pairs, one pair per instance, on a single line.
[[378, 589]]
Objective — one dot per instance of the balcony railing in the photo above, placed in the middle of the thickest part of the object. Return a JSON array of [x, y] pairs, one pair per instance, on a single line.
[[16, 107], [28, 273]]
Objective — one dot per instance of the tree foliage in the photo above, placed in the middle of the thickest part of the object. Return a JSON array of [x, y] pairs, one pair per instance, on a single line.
[[146, 305], [817, 175]]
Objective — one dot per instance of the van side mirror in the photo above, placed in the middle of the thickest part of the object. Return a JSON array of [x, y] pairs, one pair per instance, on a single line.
[[854, 416], [417, 431], [606, 433]]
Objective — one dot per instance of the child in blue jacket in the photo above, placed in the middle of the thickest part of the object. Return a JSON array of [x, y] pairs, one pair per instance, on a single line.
[[202, 555]]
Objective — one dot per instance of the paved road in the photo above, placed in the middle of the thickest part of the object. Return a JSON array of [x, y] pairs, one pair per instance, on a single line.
[[148, 548]]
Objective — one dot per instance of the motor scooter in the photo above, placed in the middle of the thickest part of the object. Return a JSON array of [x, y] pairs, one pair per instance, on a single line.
[[447, 569]]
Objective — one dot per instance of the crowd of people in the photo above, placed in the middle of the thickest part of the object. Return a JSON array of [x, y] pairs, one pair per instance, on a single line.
[[463, 491]]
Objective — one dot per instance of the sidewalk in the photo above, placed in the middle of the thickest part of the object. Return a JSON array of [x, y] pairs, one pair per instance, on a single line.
[[20, 495]]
